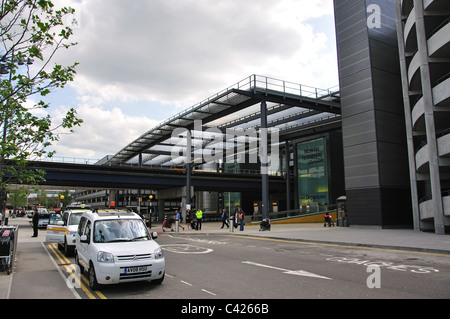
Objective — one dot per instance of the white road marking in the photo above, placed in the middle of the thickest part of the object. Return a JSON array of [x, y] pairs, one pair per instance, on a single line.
[[186, 283], [186, 249], [287, 271], [209, 292]]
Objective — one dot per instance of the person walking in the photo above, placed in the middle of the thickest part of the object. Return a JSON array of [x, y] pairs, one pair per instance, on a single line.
[[236, 217], [188, 218], [241, 219], [199, 215], [180, 218], [224, 218], [35, 221]]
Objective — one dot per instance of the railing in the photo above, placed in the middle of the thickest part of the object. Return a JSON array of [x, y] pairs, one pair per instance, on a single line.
[[254, 82], [301, 212], [67, 160]]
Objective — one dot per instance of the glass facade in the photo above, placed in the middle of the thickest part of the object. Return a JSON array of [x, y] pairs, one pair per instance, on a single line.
[[312, 173]]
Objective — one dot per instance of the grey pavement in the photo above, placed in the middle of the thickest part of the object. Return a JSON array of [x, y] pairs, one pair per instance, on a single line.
[[401, 239], [35, 275]]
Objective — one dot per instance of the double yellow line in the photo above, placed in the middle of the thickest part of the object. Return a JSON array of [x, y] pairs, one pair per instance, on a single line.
[[71, 269]]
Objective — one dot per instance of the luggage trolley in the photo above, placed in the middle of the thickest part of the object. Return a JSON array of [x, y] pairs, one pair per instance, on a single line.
[[8, 243]]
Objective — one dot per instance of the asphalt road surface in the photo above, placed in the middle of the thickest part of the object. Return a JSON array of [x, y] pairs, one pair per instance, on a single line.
[[209, 267]]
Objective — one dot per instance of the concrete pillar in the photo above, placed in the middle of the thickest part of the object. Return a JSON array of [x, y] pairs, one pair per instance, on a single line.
[[264, 161], [429, 119], [288, 176]]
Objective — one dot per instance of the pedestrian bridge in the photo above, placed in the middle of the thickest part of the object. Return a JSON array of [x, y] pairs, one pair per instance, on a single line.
[[88, 176]]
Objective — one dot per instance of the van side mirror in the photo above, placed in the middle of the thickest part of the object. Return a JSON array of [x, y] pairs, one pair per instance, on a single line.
[[154, 235], [84, 239]]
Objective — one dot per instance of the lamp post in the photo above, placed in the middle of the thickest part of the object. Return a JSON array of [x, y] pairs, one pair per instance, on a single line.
[[61, 197]]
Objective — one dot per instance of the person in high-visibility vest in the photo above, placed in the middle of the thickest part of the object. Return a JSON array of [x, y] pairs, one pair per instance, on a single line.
[[199, 215]]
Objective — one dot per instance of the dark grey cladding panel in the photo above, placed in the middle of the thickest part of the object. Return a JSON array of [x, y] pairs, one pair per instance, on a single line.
[[373, 131], [372, 110], [359, 129]]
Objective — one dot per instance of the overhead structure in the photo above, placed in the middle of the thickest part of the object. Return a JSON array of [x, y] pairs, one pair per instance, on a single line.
[[290, 108], [237, 125]]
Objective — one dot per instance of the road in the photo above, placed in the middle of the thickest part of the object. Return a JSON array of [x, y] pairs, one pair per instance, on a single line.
[[222, 266]]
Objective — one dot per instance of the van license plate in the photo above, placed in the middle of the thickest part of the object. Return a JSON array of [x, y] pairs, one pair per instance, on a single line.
[[132, 270]]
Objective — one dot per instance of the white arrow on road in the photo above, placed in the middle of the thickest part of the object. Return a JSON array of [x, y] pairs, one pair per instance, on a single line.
[[286, 271]]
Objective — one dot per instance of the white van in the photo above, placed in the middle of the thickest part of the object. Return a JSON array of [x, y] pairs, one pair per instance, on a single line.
[[115, 247], [63, 229]]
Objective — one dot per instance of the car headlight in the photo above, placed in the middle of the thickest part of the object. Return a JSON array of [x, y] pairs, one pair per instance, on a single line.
[[105, 257], [159, 253]]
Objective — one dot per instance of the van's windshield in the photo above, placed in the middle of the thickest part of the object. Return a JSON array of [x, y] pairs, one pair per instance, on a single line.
[[120, 230], [74, 218]]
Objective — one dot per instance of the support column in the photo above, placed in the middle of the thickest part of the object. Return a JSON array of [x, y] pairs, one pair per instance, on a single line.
[[408, 119], [429, 120], [139, 189], [188, 170], [264, 161], [288, 176]]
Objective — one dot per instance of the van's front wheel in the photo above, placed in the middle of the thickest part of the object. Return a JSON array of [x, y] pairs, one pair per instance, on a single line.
[[160, 280], [92, 278]]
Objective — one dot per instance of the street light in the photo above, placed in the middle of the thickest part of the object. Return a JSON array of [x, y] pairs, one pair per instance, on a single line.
[[61, 197]]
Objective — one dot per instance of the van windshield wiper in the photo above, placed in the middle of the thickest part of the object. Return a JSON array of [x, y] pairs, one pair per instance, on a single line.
[[140, 237], [118, 240]]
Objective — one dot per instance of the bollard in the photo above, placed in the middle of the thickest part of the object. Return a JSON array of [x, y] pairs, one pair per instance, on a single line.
[[177, 225], [231, 225]]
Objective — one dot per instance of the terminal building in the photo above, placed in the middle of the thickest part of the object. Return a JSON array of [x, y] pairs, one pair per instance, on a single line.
[[381, 140]]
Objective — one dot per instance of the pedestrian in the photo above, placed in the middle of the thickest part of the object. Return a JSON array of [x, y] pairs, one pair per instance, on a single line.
[[166, 224], [236, 217], [179, 217], [199, 215], [188, 218], [241, 219], [224, 218], [35, 223]]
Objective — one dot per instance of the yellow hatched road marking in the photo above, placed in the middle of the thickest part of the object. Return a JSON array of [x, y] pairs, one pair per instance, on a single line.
[[70, 268]]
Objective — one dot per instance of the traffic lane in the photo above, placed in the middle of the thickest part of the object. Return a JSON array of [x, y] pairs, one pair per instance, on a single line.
[[200, 267], [403, 274], [229, 271]]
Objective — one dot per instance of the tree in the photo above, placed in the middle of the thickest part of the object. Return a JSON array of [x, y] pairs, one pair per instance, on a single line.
[[42, 198], [67, 200], [31, 31], [18, 197]]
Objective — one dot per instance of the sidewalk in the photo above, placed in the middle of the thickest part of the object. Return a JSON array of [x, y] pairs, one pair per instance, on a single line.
[[401, 239], [35, 275]]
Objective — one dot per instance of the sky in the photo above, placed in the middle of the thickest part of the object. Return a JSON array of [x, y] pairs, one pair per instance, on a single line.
[[143, 61]]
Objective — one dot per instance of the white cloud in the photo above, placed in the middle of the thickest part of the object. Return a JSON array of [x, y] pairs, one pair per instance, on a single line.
[[102, 133], [179, 52], [185, 50]]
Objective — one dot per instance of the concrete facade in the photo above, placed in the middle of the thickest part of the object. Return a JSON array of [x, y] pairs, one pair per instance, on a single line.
[[423, 29]]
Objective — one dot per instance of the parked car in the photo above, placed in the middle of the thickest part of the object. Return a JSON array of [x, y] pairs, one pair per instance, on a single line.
[[44, 217], [62, 229], [115, 247]]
